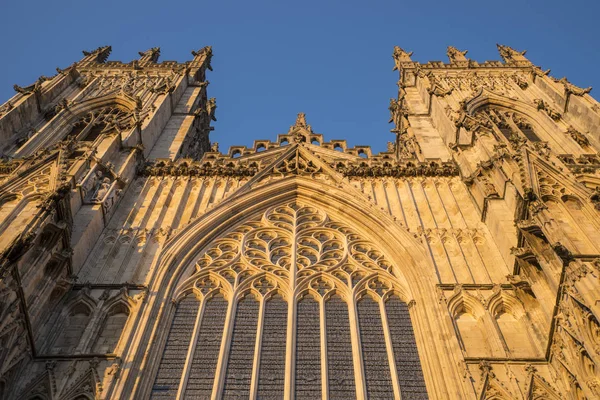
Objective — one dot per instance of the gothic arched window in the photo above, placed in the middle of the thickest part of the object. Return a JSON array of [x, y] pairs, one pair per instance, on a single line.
[[512, 125], [291, 302], [106, 120]]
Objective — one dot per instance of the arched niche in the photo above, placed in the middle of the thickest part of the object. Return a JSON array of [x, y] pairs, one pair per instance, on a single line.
[[72, 330], [111, 329]]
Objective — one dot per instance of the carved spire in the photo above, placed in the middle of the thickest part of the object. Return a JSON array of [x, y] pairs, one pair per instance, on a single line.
[[300, 126], [400, 56], [300, 120], [204, 55], [200, 63], [149, 56], [100, 55], [456, 56], [512, 56]]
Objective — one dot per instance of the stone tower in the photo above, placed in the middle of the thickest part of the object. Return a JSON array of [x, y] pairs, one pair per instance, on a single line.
[[137, 261]]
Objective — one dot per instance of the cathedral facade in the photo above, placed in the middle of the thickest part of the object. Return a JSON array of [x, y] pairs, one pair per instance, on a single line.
[[138, 261]]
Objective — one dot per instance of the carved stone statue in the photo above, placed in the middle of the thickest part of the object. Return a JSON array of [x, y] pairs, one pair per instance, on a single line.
[[456, 55], [400, 56], [102, 190], [394, 111], [510, 55], [211, 106]]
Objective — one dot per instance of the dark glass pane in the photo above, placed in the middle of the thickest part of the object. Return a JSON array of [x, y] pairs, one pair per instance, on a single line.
[[202, 373], [175, 352], [308, 350], [376, 364], [530, 134], [507, 132], [408, 365], [272, 356], [241, 352], [339, 350]]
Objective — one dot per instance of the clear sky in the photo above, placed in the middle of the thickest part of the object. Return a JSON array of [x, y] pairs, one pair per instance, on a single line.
[[273, 59]]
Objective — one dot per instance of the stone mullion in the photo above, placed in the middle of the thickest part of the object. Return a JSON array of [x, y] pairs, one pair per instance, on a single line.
[[359, 374], [190, 354], [400, 204], [290, 358], [489, 318], [481, 259], [411, 194], [257, 349], [390, 349], [221, 368], [324, 374], [206, 194]]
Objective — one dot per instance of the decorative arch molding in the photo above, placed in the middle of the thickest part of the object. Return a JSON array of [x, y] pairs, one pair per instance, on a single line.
[[68, 116], [484, 98], [414, 269]]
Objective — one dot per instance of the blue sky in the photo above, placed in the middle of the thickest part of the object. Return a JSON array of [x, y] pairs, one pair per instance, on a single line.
[[273, 59]]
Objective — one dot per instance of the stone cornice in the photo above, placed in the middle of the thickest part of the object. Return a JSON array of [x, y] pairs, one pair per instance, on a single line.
[[241, 169]]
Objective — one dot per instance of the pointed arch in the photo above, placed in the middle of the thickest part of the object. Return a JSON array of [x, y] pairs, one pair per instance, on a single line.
[[471, 322], [409, 264], [112, 327], [511, 319], [71, 324], [61, 124], [534, 125]]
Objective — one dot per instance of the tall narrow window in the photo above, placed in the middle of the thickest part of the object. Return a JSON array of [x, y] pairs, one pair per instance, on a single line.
[[241, 353], [376, 364], [175, 352], [204, 365], [408, 365], [340, 367], [308, 350], [272, 356]]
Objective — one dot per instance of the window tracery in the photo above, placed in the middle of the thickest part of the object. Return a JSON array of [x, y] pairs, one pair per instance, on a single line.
[[291, 286], [513, 126], [106, 120]]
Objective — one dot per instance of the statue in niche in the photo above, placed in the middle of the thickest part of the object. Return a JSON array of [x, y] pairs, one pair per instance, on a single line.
[[102, 190], [92, 183]]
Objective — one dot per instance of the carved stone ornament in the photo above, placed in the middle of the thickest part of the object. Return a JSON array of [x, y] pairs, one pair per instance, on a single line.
[[572, 89], [543, 106], [577, 136], [456, 56], [400, 56]]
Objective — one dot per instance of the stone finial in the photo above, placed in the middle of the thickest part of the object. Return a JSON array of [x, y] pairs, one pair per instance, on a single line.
[[211, 106], [204, 55], [149, 56], [100, 55], [300, 123], [512, 56], [400, 56], [455, 55]]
